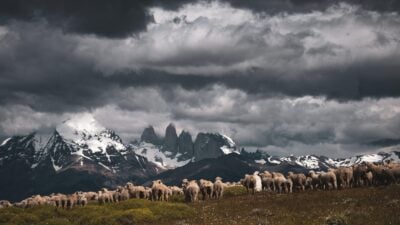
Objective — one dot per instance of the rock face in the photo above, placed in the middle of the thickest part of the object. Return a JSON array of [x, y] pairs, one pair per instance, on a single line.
[[212, 145], [150, 136], [185, 145], [171, 140], [182, 148]]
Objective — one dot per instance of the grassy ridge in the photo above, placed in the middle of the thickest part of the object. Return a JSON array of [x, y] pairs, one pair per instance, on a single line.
[[134, 211], [366, 206]]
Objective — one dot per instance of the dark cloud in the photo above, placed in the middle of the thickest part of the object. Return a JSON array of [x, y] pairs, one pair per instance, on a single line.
[[105, 18], [283, 82], [121, 18]]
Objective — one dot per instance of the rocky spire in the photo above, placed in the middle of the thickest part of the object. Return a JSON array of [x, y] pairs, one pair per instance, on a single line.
[[171, 139], [185, 145], [150, 136]]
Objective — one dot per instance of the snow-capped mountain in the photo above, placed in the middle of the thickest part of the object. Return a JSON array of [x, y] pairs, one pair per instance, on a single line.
[[82, 154], [321, 162], [79, 155]]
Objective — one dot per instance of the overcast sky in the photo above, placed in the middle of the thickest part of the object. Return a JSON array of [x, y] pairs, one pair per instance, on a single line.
[[286, 76]]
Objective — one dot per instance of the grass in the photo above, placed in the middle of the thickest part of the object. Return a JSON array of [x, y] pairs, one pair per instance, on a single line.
[[366, 206], [134, 211]]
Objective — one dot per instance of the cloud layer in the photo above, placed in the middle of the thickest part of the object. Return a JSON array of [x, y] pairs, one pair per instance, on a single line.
[[285, 76]]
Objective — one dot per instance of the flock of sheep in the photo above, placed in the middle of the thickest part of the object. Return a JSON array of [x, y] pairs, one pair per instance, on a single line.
[[365, 174], [157, 192]]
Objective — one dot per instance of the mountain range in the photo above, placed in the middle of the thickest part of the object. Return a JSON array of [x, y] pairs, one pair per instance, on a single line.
[[81, 154]]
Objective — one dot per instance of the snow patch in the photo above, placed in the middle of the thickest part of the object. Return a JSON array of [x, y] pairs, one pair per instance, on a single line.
[[260, 161], [5, 141], [230, 147], [227, 150], [273, 161], [56, 168], [155, 155], [101, 164]]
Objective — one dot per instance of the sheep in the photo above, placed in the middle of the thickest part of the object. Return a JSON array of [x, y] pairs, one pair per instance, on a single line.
[[148, 193], [159, 191], [82, 200], [299, 180], [105, 196], [136, 191], [123, 193], [71, 200], [309, 183], [288, 185], [206, 188], [315, 182], [328, 180], [267, 181], [58, 200], [176, 190], [249, 182], [218, 188], [360, 174], [279, 181], [369, 178], [379, 174], [5, 204], [191, 190], [344, 176]]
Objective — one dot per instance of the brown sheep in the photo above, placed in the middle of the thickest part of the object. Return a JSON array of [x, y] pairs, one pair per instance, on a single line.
[[250, 182], [71, 200], [309, 183], [81, 200], [148, 193], [288, 184], [328, 180], [298, 179], [360, 174], [159, 191], [90, 196], [344, 176], [267, 181], [206, 188], [392, 174], [5, 204], [136, 191], [315, 182], [279, 181], [21, 204], [369, 178], [123, 193], [380, 177], [191, 190], [176, 190], [218, 188], [58, 200], [105, 196]]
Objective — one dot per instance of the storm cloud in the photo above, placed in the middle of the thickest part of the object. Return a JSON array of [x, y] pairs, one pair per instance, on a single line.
[[284, 76]]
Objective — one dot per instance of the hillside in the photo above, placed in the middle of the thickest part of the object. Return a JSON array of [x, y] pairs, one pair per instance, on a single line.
[[363, 206]]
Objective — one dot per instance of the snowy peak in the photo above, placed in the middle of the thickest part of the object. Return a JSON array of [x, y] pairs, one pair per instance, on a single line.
[[87, 134], [83, 123], [380, 157], [321, 162]]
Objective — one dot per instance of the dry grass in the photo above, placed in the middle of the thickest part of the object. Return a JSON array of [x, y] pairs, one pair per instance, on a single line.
[[366, 206], [363, 206]]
